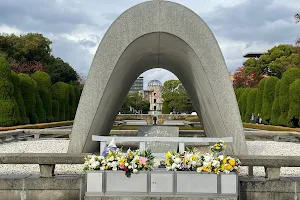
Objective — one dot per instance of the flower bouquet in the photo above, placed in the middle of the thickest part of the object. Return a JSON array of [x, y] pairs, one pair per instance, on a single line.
[[130, 162], [215, 161]]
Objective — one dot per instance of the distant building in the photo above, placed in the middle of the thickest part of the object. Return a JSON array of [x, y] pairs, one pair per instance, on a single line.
[[137, 85], [154, 95], [253, 54]]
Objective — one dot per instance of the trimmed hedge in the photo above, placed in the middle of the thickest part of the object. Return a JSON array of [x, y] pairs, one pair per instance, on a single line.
[[243, 100], [165, 108], [60, 92], [44, 85], [269, 127], [18, 95], [251, 98], [268, 98], [259, 97], [276, 107], [72, 101], [55, 110], [288, 78], [239, 93], [294, 110], [40, 112], [77, 95], [28, 92], [9, 110]]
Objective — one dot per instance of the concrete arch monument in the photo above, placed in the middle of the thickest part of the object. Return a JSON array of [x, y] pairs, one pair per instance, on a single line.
[[166, 35]]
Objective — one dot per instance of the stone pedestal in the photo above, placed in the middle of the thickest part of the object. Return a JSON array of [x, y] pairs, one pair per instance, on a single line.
[[159, 131]]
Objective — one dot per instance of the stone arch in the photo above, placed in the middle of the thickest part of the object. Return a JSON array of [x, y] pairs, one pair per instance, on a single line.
[[166, 35]]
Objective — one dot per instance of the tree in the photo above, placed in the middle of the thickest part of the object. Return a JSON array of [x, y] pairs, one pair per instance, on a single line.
[[251, 98], [287, 79], [28, 92], [245, 80], [268, 98], [26, 68], [294, 108], [44, 84], [60, 93], [40, 112], [259, 97], [55, 110], [274, 62], [297, 18], [25, 48], [61, 71], [9, 111], [276, 107], [174, 93], [125, 108], [18, 95], [165, 108]]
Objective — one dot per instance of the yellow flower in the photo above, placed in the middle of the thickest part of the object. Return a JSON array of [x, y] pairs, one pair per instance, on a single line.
[[167, 162], [168, 155], [218, 147], [106, 167], [228, 167], [194, 157], [224, 160], [231, 162], [222, 167]]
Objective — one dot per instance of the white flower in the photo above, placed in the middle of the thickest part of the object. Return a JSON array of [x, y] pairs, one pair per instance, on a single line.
[[129, 167], [206, 164], [114, 168], [193, 162], [199, 169], [86, 163], [188, 155], [126, 164], [97, 163], [102, 168], [114, 164], [173, 157], [101, 158], [177, 160], [215, 163], [92, 160], [93, 165], [135, 171], [168, 168], [221, 157], [207, 158], [174, 165]]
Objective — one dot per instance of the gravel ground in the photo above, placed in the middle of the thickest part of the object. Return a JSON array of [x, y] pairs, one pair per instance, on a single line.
[[61, 146]]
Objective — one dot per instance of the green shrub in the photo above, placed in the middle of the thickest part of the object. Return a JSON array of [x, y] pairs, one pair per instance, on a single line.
[[250, 103], [18, 95], [9, 110], [288, 78], [259, 97], [77, 95], [60, 92], [165, 108], [44, 85], [294, 109], [40, 112], [239, 93], [72, 101], [268, 98], [243, 100], [276, 107], [28, 92], [55, 110]]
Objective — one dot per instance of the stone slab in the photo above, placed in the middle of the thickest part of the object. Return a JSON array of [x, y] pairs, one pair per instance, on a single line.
[[159, 131]]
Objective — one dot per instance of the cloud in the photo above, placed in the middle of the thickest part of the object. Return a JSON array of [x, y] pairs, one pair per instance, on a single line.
[[76, 27]]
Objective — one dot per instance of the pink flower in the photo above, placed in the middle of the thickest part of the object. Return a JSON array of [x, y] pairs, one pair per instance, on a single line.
[[122, 166], [143, 160]]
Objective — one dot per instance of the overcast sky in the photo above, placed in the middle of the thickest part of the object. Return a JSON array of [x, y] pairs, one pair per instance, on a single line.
[[76, 27]]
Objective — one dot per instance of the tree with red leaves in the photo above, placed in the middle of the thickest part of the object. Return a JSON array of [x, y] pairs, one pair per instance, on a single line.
[[26, 68], [245, 80]]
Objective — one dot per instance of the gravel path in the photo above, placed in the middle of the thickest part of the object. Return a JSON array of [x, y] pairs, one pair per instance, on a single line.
[[61, 146]]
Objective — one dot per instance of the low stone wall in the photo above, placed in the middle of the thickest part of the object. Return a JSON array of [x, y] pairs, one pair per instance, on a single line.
[[149, 118], [69, 187]]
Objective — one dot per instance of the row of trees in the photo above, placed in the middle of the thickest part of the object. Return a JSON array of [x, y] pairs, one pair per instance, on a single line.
[[31, 52], [175, 98], [134, 103], [33, 99], [276, 100]]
